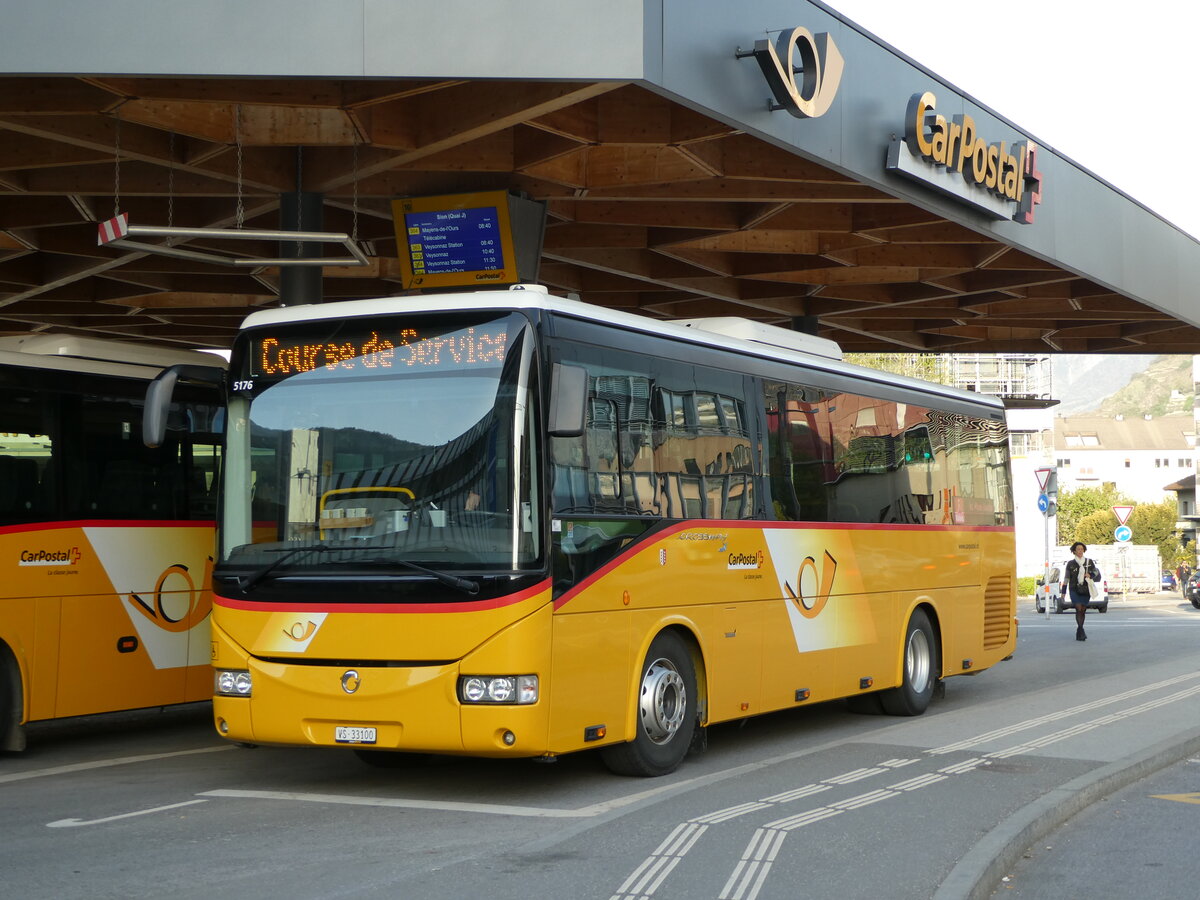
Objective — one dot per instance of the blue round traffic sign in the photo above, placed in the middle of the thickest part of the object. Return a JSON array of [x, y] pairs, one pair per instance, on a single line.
[[1043, 502], [1123, 533]]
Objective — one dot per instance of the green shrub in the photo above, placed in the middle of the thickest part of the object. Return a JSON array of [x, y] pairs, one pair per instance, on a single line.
[[1026, 586]]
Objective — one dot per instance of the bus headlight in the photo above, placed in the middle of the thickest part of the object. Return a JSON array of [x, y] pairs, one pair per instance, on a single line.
[[232, 682], [506, 689]]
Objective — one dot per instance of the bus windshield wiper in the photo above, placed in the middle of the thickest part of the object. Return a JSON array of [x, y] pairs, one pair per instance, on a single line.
[[259, 574], [461, 584]]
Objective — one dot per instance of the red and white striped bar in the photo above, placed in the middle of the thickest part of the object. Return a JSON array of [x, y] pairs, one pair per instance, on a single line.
[[113, 229]]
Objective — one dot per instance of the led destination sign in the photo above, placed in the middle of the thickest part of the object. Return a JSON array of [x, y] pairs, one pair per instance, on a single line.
[[397, 348], [455, 240]]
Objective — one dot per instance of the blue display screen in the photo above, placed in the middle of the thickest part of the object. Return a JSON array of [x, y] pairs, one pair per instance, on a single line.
[[454, 240]]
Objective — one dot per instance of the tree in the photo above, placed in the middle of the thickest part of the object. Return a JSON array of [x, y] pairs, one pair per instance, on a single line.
[[1095, 528], [1154, 523], [1074, 506], [925, 366]]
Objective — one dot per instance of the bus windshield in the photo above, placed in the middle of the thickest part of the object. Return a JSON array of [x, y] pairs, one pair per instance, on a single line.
[[383, 443]]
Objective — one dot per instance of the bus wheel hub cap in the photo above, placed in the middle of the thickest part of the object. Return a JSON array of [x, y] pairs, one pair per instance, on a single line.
[[663, 700]]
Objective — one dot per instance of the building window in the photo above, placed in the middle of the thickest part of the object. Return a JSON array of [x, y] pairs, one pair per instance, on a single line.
[[1158, 463], [1127, 463], [1063, 463], [1183, 464]]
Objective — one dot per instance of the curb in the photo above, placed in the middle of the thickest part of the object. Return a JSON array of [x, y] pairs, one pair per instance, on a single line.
[[978, 873]]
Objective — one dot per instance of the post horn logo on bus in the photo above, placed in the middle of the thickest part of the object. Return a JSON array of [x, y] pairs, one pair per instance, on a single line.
[[176, 604], [807, 597], [820, 70]]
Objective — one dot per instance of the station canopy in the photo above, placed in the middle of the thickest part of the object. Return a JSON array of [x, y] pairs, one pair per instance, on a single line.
[[653, 207]]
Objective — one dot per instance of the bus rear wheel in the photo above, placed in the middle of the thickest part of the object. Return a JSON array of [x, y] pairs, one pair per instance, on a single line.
[[666, 712], [912, 697], [12, 735]]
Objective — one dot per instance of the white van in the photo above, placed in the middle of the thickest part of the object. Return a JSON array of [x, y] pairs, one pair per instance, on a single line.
[[1052, 593]]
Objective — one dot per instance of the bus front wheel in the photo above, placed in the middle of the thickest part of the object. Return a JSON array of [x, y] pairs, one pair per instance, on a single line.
[[912, 697], [666, 712]]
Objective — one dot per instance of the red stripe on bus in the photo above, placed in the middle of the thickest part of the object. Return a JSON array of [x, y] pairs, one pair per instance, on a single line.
[[107, 523], [729, 525], [404, 608]]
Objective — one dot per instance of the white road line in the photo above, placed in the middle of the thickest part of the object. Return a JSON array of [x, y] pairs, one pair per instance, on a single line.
[[1082, 727], [75, 823], [654, 870], [724, 815], [400, 803], [105, 763], [807, 791], [863, 799], [856, 775], [919, 782], [750, 873], [805, 818], [754, 874], [1061, 714]]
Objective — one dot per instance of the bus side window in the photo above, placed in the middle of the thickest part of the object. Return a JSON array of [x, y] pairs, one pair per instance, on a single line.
[[26, 454]]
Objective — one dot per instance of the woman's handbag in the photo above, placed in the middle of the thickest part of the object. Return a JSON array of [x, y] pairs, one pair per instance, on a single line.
[[1093, 588]]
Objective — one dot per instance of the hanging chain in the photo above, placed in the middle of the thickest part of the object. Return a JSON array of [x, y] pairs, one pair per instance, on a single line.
[[299, 199], [354, 202], [237, 139], [171, 185], [117, 167]]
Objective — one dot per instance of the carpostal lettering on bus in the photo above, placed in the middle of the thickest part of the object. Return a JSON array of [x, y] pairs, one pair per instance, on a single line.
[[957, 145], [745, 560], [278, 357], [49, 557]]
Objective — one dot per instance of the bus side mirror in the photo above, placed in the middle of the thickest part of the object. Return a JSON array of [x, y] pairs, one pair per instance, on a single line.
[[568, 399], [160, 391]]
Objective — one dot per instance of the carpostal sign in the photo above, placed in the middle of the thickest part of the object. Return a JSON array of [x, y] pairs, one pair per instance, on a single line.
[[951, 156]]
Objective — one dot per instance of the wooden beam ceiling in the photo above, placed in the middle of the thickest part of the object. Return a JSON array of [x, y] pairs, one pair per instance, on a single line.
[[653, 207]]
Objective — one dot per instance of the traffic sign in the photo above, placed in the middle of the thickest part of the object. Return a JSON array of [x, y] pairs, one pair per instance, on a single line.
[[1043, 502], [1122, 513], [1044, 482], [1123, 534]]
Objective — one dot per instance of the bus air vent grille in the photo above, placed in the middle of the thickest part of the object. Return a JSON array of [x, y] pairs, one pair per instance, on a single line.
[[997, 611]]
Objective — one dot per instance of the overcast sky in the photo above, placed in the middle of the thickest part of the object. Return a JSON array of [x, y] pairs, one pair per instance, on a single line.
[[1111, 86]]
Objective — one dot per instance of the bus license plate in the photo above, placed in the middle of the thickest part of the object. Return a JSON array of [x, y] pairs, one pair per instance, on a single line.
[[353, 734]]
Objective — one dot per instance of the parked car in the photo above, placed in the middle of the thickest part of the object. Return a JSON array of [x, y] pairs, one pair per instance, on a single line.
[[1168, 580], [1191, 590], [1052, 593]]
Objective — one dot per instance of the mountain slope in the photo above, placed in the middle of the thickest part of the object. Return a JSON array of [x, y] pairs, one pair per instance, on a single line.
[[1164, 388]]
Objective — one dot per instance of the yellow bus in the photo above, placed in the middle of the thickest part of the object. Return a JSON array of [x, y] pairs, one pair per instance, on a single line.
[[506, 524], [105, 546]]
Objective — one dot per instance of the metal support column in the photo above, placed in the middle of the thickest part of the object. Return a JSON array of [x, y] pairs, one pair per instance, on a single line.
[[300, 211], [806, 324]]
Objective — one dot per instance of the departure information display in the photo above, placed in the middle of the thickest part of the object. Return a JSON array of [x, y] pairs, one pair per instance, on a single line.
[[455, 240]]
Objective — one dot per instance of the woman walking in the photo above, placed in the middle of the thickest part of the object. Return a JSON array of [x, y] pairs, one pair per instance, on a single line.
[[1081, 574]]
